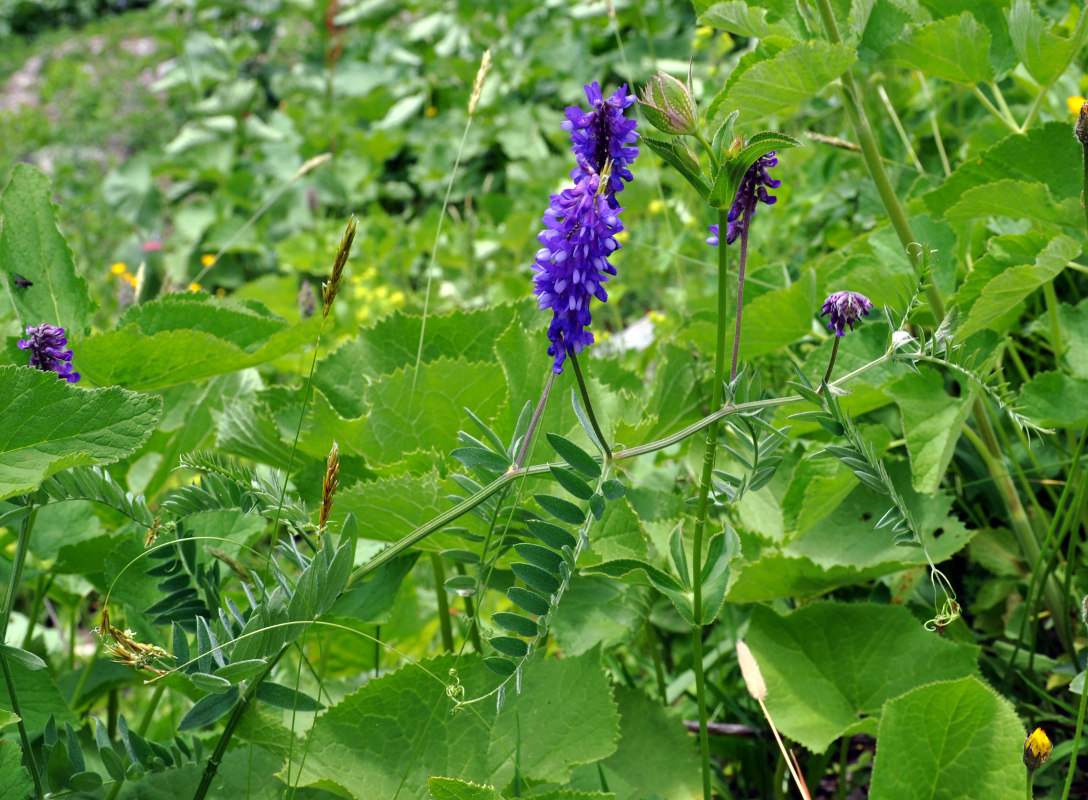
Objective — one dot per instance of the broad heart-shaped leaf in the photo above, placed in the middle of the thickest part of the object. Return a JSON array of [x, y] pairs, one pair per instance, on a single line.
[[453, 789], [33, 247], [785, 80], [189, 337], [1047, 154], [932, 423], [393, 342], [50, 425], [1056, 399], [828, 666], [397, 730], [1043, 54], [845, 548], [421, 410], [756, 22], [39, 699], [953, 49], [732, 170], [955, 738], [655, 756], [1011, 287], [14, 779], [1018, 199]]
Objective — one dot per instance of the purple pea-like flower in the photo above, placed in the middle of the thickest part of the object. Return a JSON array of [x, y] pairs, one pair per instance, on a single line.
[[845, 308], [752, 191], [46, 345], [581, 222]]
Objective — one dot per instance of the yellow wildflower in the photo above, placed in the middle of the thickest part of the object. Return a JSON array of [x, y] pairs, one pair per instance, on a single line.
[[1036, 750], [119, 268], [207, 259], [1074, 104], [194, 287]]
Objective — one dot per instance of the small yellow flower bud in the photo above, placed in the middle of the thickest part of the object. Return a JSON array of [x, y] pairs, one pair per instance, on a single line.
[[119, 268], [1036, 750], [1074, 104], [207, 259], [194, 287]]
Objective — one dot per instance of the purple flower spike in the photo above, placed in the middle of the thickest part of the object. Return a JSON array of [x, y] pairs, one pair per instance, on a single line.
[[581, 222], [47, 353], [845, 308], [603, 133], [712, 239], [752, 191]]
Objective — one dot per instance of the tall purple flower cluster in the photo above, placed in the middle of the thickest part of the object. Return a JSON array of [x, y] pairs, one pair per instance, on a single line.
[[46, 345], [752, 191], [581, 222]]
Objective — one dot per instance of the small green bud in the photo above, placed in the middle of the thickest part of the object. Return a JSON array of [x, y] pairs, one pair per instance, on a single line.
[[668, 105]]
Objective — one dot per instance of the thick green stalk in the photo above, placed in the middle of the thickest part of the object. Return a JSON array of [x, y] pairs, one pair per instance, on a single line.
[[1025, 533], [22, 545], [443, 602], [704, 500]]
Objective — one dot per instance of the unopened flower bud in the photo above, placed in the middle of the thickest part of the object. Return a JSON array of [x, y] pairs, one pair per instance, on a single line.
[[1081, 128], [1036, 750], [668, 105]]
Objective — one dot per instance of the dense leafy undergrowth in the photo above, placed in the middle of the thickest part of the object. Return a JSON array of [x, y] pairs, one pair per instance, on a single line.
[[318, 513]]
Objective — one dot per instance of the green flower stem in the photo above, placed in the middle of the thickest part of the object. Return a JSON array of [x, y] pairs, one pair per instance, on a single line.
[[844, 762], [1026, 535], [36, 607], [1005, 120], [740, 283], [22, 545], [470, 614], [1030, 782], [442, 601], [704, 497], [601, 441], [517, 472], [831, 363], [523, 453], [659, 668], [1076, 744], [1084, 145], [216, 757]]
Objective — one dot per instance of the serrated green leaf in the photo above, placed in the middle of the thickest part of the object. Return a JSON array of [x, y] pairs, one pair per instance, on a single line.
[[51, 425], [728, 180], [1056, 399], [932, 424], [953, 49], [453, 789], [32, 245], [954, 738], [574, 455], [188, 337], [820, 686], [1044, 54], [377, 723], [786, 80]]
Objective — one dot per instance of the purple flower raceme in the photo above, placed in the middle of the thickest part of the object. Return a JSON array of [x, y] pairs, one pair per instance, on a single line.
[[46, 345], [752, 191], [845, 308], [581, 222]]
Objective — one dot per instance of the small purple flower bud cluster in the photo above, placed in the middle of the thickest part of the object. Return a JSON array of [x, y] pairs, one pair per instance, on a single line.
[[752, 191], [581, 222], [845, 308], [46, 345]]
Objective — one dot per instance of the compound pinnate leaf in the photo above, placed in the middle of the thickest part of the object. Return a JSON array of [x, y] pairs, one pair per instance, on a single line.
[[949, 739], [828, 666], [50, 425], [32, 245]]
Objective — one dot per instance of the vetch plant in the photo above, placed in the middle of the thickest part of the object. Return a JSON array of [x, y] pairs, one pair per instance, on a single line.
[[46, 344]]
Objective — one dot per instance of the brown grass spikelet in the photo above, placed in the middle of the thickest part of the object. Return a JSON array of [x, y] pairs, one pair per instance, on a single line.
[[126, 650], [332, 286], [478, 84], [328, 487]]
